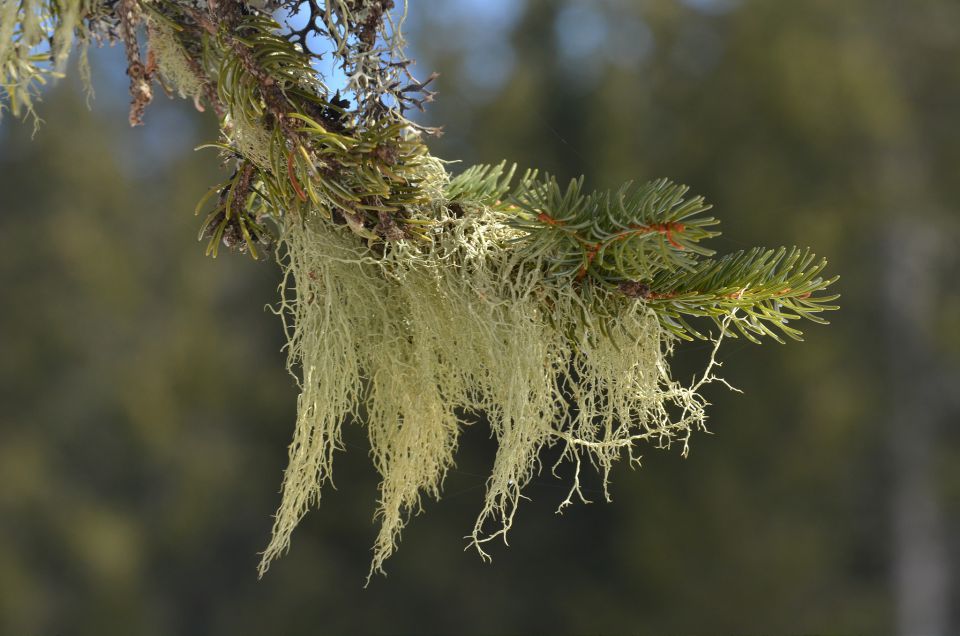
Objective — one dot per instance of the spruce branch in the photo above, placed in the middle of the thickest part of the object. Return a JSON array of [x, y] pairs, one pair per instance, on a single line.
[[485, 184], [414, 294], [630, 233], [764, 289]]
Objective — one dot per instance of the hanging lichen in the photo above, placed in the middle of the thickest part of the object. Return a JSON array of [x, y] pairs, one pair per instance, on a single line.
[[412, 299], [35, 40]]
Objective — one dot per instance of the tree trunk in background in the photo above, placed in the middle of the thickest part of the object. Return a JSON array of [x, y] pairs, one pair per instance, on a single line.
[[917, 405]]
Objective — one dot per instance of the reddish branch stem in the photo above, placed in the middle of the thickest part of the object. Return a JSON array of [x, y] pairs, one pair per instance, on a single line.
[[668, 229]]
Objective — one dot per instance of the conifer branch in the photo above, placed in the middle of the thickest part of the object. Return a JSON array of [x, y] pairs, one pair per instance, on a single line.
[[630, 233], [413, 293], [764, 289]]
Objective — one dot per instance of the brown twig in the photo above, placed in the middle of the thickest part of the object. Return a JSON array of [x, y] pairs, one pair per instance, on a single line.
[[141, 75]]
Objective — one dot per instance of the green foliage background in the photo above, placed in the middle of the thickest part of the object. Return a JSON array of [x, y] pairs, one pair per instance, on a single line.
[[146, 412]]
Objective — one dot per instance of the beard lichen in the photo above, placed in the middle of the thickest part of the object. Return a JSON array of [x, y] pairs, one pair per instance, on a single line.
[[173, 61], [415, 339], [36, 37]]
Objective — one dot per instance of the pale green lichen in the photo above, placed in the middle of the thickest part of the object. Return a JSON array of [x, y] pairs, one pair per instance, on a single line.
[[418, 337], [36, 37], [172, 61], [251, 139]]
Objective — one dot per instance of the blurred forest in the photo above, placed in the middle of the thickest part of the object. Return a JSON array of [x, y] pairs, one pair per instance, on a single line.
[[146, 412]]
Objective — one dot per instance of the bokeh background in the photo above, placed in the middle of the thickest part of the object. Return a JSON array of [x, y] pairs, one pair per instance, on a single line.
[[146, 413]]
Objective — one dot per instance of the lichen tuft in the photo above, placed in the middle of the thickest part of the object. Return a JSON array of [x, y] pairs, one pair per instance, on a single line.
[[418, 335]]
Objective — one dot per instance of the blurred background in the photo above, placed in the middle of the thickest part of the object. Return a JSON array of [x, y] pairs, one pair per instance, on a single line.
[[146, 413]]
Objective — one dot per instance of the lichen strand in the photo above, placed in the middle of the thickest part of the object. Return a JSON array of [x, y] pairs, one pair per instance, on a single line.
[[36, 37], [173, 62], [419, 336]]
